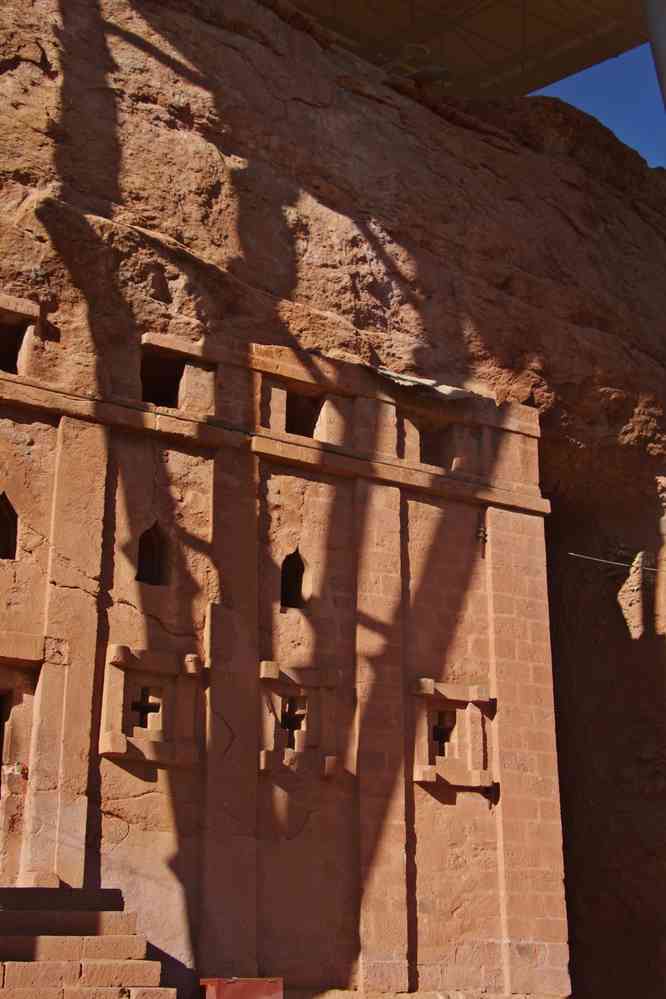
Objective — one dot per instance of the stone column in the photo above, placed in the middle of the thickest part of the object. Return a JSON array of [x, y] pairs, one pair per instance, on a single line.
[[40, 818], [57, 810], [655, 12], [228, 936], [380, 743], [529, 829]]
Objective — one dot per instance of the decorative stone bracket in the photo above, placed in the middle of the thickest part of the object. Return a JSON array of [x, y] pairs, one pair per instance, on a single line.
[[152, 707], [452, 742], [298, 719]]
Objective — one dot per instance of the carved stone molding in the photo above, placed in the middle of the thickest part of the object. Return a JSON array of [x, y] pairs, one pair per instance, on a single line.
[[152, 707], [452, 743], [298, 719]]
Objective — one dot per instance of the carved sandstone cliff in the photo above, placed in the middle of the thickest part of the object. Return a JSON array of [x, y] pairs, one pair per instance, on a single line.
[[210, 170]]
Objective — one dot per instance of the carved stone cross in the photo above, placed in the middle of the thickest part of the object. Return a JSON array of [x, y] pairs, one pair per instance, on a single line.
[[442, 729], [292, 717], [147, 705]]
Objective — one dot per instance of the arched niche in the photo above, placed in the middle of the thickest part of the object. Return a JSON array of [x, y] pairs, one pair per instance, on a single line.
[[152, 563], [291, 584]]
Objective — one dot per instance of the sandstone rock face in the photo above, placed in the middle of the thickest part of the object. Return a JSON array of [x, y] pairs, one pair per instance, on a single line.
[[209, 170]]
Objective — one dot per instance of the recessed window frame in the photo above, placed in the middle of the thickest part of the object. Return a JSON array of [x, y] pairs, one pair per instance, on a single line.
[[161, 377]]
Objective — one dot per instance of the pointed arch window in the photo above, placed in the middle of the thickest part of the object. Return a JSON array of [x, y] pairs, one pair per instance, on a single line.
[[152, 565], [293, 569], [8, 529]]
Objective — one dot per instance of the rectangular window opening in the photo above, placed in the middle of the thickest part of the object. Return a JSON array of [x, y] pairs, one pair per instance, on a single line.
[[400, 435], [302, 414], [11, 341], [438, 446], [161, 375]]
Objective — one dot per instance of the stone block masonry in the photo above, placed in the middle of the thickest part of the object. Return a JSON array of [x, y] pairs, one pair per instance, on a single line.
[[290, 684], [35, 963]]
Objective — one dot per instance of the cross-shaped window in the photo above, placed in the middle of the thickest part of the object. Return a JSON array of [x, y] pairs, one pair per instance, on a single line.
[[292, 717], [442, 729], [150, 703]]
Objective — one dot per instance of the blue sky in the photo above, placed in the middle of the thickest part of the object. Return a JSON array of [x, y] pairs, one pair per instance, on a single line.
[[624, 94]]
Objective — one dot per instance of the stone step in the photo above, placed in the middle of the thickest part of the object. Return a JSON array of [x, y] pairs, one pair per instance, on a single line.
[[70, 923], [72, 948], [62, 899], [130, 974], [90, 974], [36, 993], [145, 992], [41, 974], [92, 993]]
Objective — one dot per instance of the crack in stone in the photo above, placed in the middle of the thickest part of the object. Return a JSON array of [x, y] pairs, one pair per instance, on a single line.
[[123, 602], [72, 586], [132, 797]]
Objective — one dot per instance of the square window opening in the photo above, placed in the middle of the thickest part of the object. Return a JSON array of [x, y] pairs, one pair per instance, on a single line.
[[302, 414], [438, 446], [161, 375]]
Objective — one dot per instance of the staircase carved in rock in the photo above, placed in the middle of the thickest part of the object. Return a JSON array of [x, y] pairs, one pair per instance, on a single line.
[[59, 943]]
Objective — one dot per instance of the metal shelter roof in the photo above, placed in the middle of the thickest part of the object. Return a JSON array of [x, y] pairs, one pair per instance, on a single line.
[[491, 48]]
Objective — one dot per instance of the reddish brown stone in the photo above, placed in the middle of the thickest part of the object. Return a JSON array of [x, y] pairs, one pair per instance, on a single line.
[[243, 988], [209, 185]]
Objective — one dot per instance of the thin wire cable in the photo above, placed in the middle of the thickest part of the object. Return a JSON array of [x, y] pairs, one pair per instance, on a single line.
[[605, 561]]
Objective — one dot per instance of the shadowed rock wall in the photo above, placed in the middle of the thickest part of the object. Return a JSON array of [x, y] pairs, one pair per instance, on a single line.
[[199, 167]]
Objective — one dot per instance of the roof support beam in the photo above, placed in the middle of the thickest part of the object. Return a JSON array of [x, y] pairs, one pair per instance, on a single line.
[[655, 11]]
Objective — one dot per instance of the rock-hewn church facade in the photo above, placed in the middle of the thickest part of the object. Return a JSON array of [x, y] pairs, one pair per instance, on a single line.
[[328, 404], [275, 663]]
